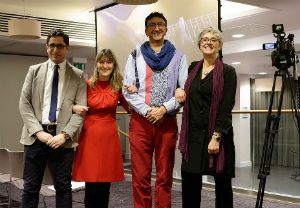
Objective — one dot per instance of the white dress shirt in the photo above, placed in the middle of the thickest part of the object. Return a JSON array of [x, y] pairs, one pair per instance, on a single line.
[[48, 89]]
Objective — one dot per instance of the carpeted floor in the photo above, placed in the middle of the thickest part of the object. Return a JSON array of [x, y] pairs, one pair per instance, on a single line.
[[121, 197]]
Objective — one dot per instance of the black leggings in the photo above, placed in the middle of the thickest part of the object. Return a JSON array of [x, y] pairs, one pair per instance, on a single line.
[[96, 194], [192, 186]]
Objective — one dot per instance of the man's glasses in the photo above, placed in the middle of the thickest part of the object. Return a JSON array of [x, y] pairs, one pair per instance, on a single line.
[[207, 40], [160, 25], [52, 46]]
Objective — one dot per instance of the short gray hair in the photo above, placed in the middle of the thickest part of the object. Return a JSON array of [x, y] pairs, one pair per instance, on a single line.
[[214, 31]]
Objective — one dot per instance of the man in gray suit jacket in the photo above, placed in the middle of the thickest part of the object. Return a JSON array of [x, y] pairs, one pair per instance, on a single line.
[[50, 128]]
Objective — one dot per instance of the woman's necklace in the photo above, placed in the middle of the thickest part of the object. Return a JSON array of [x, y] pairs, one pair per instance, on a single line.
[[207, 70]]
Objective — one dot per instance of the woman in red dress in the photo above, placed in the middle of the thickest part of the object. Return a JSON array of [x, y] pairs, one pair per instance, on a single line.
[[98, 160]]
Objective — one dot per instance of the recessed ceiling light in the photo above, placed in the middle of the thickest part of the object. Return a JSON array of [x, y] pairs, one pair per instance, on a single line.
[[236, 63], [238, 35], [262, 73]]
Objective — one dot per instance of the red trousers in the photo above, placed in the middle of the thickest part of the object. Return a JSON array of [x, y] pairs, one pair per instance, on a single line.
[[145, 139]]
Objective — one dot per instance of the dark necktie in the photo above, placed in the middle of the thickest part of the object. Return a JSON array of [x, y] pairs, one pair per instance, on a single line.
[[53, 104]]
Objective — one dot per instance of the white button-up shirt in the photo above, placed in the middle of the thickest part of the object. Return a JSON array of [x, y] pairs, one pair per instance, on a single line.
[[48, 89]]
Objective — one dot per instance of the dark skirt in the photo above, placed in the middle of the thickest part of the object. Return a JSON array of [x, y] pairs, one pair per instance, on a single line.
[[198, 157]]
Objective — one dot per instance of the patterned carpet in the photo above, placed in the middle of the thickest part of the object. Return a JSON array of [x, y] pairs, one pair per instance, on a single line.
[[121, 197]]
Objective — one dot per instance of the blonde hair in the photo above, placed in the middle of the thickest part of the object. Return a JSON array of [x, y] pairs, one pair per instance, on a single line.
[[116, 77]]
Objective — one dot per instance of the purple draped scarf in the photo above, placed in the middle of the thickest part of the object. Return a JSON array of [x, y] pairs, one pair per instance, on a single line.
[[216, 162]]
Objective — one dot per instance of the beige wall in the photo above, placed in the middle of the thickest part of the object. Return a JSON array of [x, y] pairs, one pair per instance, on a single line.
[[13, 71]]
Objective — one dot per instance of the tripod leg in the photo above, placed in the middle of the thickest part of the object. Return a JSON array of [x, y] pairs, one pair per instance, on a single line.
[[260, 194], [270, 133]]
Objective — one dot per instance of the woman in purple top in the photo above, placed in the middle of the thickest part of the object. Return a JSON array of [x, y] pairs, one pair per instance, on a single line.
[[206, 140]]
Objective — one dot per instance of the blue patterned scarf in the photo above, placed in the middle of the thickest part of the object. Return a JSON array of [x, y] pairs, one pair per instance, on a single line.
[[161, 60]]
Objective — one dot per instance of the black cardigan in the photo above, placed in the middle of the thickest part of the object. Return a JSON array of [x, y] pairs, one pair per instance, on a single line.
[[200, 99]]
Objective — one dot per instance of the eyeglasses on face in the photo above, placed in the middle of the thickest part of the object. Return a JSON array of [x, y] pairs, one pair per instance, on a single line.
[[160, 25], [57, 46], [207, 40]]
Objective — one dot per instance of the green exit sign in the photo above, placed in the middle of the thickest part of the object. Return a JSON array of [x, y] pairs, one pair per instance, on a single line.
[[80, 66]]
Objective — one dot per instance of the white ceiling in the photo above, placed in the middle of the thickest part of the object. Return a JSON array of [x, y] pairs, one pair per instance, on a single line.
[[255, 23], [77, 10], [258, 30]]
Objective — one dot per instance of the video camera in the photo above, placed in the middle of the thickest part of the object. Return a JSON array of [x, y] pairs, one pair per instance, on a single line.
[[284, 55]]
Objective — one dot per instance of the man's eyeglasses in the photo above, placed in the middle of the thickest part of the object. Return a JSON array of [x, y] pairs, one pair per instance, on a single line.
[[58, 46], [160, 25], [207, 40]]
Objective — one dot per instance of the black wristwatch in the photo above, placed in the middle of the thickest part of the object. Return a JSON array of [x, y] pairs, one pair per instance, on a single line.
[[217, 137], [67, 136]]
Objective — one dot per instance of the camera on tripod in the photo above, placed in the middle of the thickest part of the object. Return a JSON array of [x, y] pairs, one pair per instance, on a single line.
[[284, 55]]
